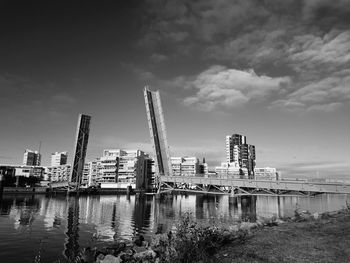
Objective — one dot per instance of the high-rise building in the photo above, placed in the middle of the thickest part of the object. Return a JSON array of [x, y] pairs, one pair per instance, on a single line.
[[157, 132], [32, 158], [81, 142], [59, 158], [239, 153]]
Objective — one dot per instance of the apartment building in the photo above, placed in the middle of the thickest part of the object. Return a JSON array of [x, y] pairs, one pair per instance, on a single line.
[[121, 168], [59, 158], [31, 158], [185, 166], [59, 173]]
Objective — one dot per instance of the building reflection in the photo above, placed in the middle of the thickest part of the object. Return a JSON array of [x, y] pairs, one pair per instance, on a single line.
[[248, 206], [6, 205], [141, 215], [71, 246]]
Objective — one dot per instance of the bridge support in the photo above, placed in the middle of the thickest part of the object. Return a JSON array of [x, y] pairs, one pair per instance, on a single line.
[[232, 197]]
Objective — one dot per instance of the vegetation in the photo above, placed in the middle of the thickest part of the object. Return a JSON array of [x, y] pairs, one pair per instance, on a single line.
[[193, 242]]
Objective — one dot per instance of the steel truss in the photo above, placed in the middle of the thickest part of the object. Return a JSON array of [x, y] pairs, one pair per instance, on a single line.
[[189, 184]]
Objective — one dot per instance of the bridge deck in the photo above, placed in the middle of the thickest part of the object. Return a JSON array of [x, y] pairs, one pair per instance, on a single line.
[[317, 187]]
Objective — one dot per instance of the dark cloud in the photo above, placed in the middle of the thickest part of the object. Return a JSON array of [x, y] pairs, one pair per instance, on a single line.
[[307, 41]]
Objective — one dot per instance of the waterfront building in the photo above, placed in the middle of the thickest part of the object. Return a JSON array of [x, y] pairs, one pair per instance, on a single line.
[[59, 158], [31, 158], [121, 168], [86, 174], [23, 171], [81, 142], [266, 173], [231, 170], [59, 173], [204, 168], [107, 165], [7, 170], [189, 166], [240, 153], [93, 169], [30, 171], [157, 130], [185, 166]]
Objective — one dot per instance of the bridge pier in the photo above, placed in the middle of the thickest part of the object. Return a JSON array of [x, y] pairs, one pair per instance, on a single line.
[[157, 196], [232, 199]]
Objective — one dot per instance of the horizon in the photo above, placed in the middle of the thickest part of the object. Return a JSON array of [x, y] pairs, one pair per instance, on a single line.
[[276, 72]]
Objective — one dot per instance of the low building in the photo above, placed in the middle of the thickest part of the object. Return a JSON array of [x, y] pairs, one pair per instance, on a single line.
[[266, 173], [22, 174], [59, 173], [231, 170], [30, 171], [185, 166]]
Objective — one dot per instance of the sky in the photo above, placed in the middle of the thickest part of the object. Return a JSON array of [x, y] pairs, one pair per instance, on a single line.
[[275, 71]]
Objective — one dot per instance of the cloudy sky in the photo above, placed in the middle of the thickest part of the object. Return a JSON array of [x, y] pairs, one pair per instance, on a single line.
[[275, 71]]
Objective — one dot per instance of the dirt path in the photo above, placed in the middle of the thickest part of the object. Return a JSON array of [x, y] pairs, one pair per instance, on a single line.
[[323, 240]]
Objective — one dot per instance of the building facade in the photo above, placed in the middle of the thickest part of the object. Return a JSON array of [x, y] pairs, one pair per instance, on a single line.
[[59, 158], [266, 173], [230, 171], [92, 176], [122, 168], [31, 158], [59, 173], [188, 166]]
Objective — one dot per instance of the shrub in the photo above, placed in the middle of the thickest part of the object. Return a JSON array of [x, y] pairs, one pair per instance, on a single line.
[[193, 242]]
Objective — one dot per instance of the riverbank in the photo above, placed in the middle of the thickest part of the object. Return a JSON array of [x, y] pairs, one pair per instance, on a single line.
[[303, 238], [326, 239]]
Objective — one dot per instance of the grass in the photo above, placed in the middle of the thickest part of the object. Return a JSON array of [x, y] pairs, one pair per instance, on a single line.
[[323, 240]]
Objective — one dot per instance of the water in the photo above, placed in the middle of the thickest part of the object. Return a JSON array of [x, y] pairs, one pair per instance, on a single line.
[[57, 227]]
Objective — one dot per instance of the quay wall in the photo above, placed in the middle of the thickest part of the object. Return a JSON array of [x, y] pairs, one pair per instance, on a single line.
[[23, 190]]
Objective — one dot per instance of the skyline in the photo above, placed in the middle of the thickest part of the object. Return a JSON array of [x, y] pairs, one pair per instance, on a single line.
[[276, 72]]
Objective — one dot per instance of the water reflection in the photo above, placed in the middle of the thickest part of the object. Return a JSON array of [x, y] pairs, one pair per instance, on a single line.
[[248, 206], [69, 223], [71, 247], [141, 215]]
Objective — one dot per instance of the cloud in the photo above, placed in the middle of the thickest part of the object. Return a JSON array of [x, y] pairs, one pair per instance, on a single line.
[[221, 86], [320, 53], [326, 13], [307, 41], [327, 94], [250, 33]]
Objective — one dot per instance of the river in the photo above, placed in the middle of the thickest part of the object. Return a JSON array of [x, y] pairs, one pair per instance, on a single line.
[[56, 227]]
